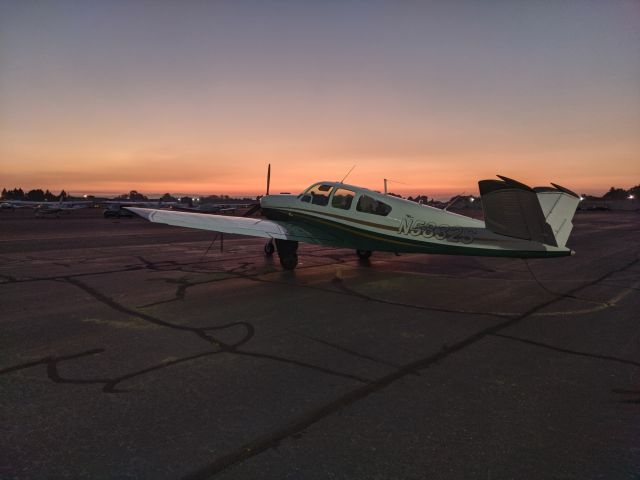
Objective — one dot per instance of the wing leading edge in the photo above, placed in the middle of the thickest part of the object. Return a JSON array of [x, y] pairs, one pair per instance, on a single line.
[[253, 227]]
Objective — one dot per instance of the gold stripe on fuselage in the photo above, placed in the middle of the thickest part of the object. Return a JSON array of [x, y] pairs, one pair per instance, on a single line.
[[348, 219], [368, 234]]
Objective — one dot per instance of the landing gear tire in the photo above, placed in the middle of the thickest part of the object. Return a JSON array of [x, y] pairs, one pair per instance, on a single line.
[[289, 262], [287, 252], [269, 248], [363, 254]]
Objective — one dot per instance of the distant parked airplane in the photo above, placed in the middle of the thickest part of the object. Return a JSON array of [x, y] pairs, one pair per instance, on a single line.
[[520, 221], [47, 208]]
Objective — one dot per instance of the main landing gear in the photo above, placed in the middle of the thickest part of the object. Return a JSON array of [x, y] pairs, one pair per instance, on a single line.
[[287, 251], [363, 254]]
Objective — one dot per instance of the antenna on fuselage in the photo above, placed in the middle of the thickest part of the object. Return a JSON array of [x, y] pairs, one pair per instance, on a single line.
[[345, 177], [394, 181], [456, 198]]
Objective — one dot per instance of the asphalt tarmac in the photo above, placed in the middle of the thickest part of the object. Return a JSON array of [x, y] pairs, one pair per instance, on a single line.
[[127, 350]]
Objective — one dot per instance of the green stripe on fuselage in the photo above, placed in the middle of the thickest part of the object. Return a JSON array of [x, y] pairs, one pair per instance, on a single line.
[[357, 238]]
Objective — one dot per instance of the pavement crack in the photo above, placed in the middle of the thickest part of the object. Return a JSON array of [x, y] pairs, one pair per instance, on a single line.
[[299, 363], [183, 284], [349, 291], [203, 333], [109, 384], [566, 350], [350, 351], [200, 332], [51, 359], [342, 289]]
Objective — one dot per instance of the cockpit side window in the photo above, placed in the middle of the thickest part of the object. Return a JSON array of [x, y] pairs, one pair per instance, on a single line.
[[342, 198], [368, 204], [318, 195]]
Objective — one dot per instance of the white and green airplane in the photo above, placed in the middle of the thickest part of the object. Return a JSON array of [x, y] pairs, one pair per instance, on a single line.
[[519, 221]]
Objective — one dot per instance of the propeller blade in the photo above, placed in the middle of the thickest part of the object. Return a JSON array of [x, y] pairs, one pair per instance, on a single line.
[[268, 178], [255, 207]]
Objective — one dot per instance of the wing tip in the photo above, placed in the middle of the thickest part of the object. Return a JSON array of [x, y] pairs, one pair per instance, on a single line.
[[565, 190], [514, 183]]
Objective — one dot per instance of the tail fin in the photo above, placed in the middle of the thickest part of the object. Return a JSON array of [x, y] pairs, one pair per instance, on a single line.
[[541, 214]]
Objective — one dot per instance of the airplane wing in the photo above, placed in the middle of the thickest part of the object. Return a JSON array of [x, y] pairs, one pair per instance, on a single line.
[[253, 227]]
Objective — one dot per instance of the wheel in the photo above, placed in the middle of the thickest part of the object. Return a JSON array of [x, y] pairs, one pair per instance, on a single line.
[[289, 262], [287, 252], [363, 254], [269, 248]]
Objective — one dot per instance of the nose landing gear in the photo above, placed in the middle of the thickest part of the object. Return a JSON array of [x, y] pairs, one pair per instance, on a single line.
[[363, 254], [269, 248], [287, 252]]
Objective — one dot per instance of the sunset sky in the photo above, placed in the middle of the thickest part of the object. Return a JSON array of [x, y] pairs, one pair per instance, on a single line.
[[199, 96]]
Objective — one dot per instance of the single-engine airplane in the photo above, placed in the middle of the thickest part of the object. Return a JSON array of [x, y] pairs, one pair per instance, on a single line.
[[519, 221]]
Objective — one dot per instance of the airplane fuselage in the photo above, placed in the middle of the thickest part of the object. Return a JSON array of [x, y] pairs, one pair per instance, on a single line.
[[354, 217]]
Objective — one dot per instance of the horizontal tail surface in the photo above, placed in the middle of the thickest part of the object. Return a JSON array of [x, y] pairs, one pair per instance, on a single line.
[[558, 207], [541, 214]]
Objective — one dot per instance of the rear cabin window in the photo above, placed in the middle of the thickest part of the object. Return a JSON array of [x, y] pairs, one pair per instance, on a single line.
[[318, 195], [367, 204], [342, 198]]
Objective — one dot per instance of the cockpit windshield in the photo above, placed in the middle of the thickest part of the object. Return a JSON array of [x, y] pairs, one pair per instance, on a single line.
[[317, 194]]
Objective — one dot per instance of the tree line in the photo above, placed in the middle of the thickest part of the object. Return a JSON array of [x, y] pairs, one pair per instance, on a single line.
[[39, 195], [620, 193], [35, 195]]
